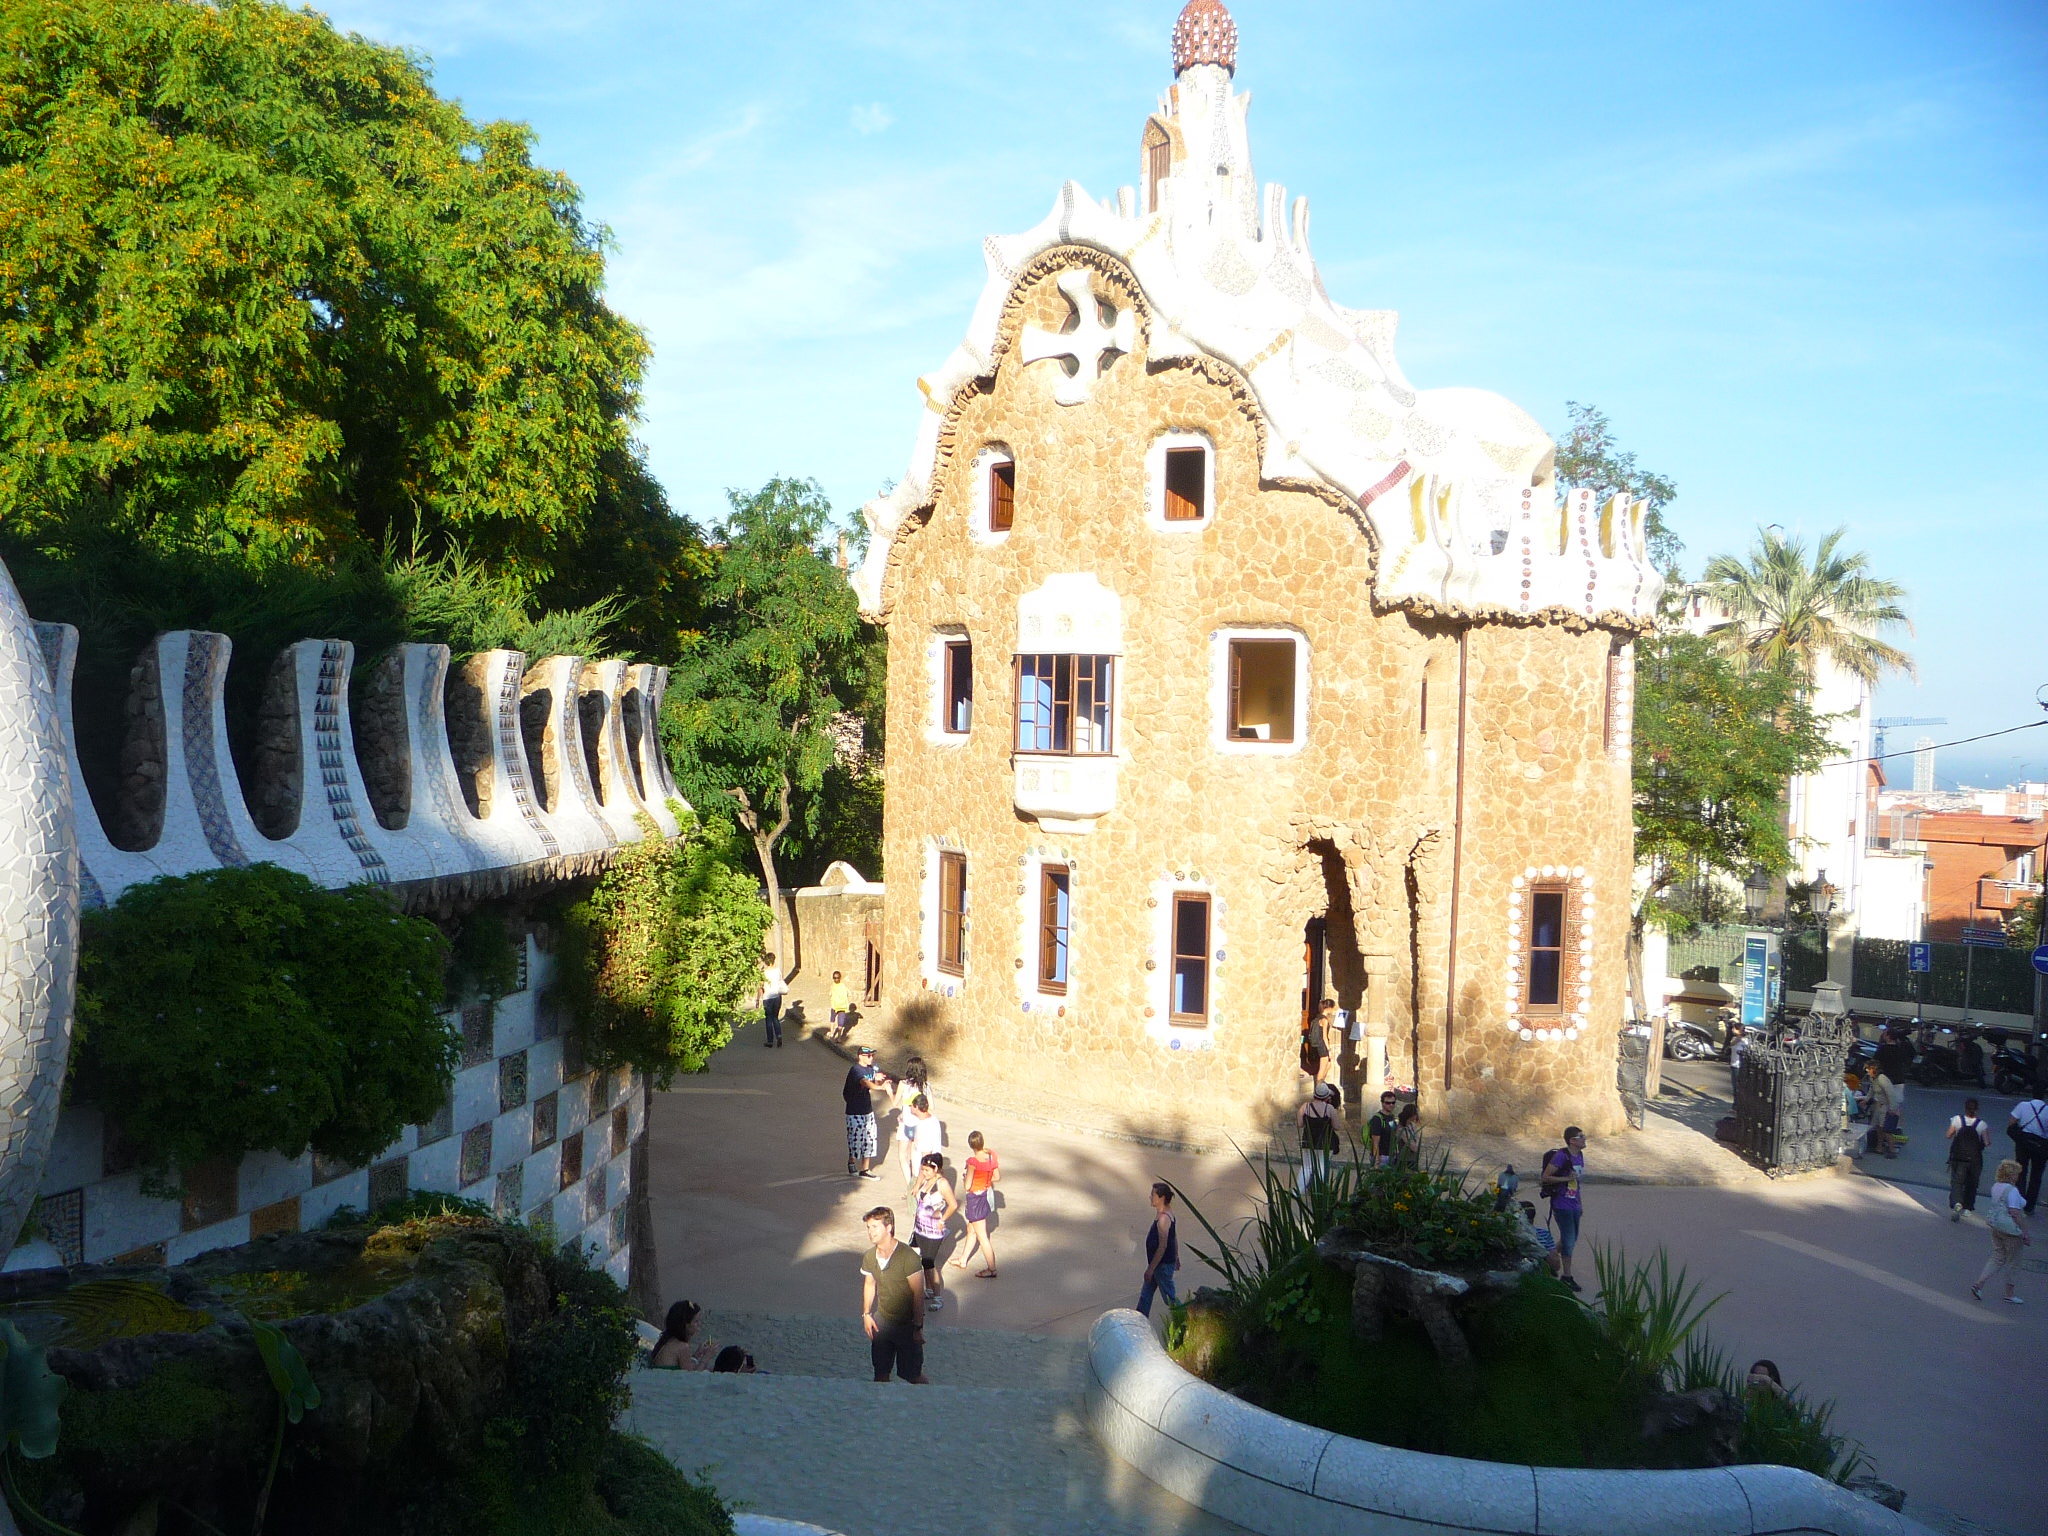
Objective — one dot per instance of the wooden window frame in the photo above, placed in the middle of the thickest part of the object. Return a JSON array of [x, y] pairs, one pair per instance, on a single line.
[[1176, 507], [1055, 936], [959, 658], [1566, 937], [1158, 167], [1196, 958], [1236, 682], [952, 912], [1083, 688], [1002, 495]]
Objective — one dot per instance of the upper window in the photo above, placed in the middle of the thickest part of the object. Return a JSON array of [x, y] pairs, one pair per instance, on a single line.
[[1189, 1001], [1002, 495], [953, 913], [1064, 704], [1055, 909], [1158, 164], [1261, 690], [1187, 491], [1180, 472], [1547, 949], [957, 698]]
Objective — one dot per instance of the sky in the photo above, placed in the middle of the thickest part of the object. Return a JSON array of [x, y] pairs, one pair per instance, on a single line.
[[1797, 250]]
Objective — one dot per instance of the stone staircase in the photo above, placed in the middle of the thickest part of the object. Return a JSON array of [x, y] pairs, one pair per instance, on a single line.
[[997, 1447]]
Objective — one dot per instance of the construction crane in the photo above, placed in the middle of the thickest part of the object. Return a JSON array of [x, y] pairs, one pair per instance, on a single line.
[[1877, 750]]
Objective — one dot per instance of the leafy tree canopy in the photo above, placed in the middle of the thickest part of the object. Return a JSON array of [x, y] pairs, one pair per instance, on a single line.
[[1588, 458], [263, 292], [784, 676], [238, 1009], [662, 955], [1791, 610], [1715, 744]]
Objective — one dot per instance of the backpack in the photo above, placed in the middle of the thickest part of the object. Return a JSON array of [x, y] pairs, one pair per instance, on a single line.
[[1550, 1158], [1970, 1150]]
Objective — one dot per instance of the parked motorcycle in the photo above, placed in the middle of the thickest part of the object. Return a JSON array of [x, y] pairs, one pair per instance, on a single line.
[[1686, 1041], [1948, 1053], [2015, 1064]]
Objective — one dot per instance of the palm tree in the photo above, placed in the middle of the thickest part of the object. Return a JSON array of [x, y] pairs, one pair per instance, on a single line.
[[1784, 609]]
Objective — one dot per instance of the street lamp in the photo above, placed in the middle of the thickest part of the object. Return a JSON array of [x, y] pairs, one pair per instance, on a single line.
[[1823, 898], [1756, 890]]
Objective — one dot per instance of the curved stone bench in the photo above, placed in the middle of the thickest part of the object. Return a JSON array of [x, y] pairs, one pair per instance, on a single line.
[[1281, 1478]]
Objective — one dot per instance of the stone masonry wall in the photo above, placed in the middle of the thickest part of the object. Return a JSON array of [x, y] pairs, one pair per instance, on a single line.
[[1365, 810]]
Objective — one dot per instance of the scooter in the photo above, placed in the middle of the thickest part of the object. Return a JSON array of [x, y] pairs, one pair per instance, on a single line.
[[1686, 1041], [2013, 1070]]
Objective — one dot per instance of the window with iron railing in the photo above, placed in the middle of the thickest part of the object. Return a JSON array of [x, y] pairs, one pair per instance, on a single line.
[[1065, 704]]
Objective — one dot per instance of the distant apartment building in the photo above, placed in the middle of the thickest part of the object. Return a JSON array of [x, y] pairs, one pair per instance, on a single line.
[[1929, 873]]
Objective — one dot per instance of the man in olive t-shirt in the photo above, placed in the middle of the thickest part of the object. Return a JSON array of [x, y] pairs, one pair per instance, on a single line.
[[892, 1300]]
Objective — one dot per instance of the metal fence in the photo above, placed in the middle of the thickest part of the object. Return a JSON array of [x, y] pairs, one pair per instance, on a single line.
[[2000, 980], [1714, 953], [1789, 1109]]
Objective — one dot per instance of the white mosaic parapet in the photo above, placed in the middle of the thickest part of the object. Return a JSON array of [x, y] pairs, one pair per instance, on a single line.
[[1458, 484], [334, 834], [1279, 1477], [38, 913]]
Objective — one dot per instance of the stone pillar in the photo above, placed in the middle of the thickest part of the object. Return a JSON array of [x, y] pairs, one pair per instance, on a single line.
[[1379, 970]]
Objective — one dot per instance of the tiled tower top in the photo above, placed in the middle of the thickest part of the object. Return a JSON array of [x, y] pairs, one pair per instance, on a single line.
[[1205, 34]]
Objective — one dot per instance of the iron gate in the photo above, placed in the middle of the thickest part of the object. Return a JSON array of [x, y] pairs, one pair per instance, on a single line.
[[1788, 1098]]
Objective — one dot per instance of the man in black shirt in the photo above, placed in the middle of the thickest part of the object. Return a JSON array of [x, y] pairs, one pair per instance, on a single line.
[[892, 1301], [862, 1078]]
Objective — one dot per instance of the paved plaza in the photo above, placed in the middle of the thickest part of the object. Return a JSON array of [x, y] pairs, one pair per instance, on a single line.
[[1856, 1285]]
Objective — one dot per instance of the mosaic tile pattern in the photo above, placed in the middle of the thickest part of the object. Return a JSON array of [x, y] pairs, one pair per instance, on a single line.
[[206, 665], [511, 1192], [387, 1182], [432, 770], [621, 1227], [512, 758], [210, 1188], [572, 1160], [62, 1219], [622, 1119], [511, 1082], [328, 698], [476, 1153], [278, 1216], [571, 719], [38, 913], [441, 1126], [479, 1032], [327, 1169], [543, 1121]]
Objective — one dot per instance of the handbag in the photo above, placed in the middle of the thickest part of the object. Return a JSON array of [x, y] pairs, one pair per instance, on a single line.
[[2001, 1220]]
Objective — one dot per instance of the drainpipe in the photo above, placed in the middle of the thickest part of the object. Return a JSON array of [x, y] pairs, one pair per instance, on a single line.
[[1457, 861]]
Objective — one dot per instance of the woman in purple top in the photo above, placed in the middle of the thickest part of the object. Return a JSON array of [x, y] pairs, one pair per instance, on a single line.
[[1561, 1171]]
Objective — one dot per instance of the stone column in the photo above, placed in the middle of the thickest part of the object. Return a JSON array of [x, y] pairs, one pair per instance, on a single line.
[[1379, 970]]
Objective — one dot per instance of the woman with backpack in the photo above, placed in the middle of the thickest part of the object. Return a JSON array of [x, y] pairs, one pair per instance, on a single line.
[[1967, 1138]]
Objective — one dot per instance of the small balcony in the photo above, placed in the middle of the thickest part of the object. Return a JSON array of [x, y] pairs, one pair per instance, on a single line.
[[1065, 794]]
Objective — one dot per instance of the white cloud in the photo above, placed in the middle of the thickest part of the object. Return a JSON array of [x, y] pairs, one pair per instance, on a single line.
[[872, 117]]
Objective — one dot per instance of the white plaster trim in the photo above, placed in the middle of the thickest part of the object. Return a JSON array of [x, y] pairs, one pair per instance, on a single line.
[[1071, 613], [1577, 1004], [1048, 1007], [1281, 1478], [978, 527], [935, 647], [1155, 481], [1159, 982], [1219, 692]]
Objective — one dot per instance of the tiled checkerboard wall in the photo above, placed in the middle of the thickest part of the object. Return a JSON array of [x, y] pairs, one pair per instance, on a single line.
[[527, 1129]]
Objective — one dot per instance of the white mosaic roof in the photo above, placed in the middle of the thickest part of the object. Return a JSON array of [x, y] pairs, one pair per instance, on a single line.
[[1457, 483]]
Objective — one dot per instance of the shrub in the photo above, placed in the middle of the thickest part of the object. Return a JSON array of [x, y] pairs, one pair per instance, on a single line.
[[1427, 1216], [241, 1009], [656, 963]]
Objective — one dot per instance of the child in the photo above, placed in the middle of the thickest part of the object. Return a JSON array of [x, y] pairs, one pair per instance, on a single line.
[[1543, 1236], [841, 1006]]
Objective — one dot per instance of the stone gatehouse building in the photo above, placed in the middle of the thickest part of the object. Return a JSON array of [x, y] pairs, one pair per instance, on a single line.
[[1229, 671]]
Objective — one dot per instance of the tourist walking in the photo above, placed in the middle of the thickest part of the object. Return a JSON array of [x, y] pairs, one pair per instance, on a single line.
[[1315, 1047], [1884, 1113], [1408, 1137], [1379, 1132], [892, 1301], [2028, 1128], [862, 1079], [773, 990], [1162, 1251], [927, 1132], [679, 1348], [840, 1006], [983, 1173], [913, 1084], [1968, 1136], [932, 1207], [1562, 1170], [1318, 1118], [2007, 1219]]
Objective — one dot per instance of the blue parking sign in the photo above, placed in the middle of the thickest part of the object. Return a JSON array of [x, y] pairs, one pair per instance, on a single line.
[[1919, 958]]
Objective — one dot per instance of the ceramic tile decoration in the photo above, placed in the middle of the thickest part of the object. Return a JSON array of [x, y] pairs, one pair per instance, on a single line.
[[210, 1190], [476, 1153], [443, 1123], [511, 1082], [572, 1160], [622, 1120], [387, 1182], [279, 1216], [62, 1219], [327, 1169], [510, 1193], [544, 1109], [329, 701], [478, 1020]]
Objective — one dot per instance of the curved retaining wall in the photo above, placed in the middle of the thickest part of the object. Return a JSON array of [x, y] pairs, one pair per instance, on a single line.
[[1281, 1478]]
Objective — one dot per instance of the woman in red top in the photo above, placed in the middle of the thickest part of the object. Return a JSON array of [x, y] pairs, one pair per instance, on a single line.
[[983, 1173]]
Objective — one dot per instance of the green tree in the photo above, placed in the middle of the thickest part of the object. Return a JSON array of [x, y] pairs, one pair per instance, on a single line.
[[1789, 609], [1588, 458], [769, 696], [2023, 924], [658, 961], [238, 1009], [261, 290], [1715, 743]]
